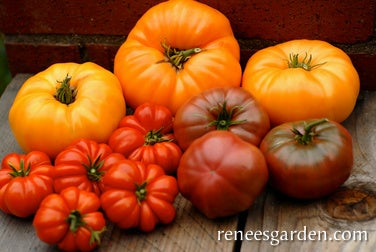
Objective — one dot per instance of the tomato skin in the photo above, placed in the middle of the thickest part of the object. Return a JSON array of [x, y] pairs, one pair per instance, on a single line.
[[330, 89], [53, 218], [21, 194], [244, 116], [41, 122], [221, 174], [140, 61], [83, 164], [312, 170], [147, 136], [138, 195]]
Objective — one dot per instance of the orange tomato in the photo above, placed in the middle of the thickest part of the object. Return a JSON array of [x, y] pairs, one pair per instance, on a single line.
[[302, 79], [177, 49], [65, 102]]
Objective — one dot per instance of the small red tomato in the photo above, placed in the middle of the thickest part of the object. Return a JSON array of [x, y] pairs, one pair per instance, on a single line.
[[71, 220], [147, 136], [308, 159], [138, 195], [83, 164], [221, 174], [25, 180]]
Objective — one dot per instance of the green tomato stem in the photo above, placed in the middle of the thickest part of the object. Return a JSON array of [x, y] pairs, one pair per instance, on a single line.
[[141, 191], [306, 137], [155, 136], [65, 93], [305, 64], [22, 172], [177, 57], [224, 119]]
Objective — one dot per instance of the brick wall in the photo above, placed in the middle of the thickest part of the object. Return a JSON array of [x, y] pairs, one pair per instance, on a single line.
[[39, 33]]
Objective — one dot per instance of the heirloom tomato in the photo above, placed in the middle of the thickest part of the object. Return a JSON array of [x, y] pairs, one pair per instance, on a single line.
[[308, 159], [302, 79], [224, 108], [65, 102], [221, 174], [177, 49], [83, 164], [138, 195], [147, 136], [71, 220], [25, 180]]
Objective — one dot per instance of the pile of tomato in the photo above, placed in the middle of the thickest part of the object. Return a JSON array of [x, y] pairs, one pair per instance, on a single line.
[[177, 115]]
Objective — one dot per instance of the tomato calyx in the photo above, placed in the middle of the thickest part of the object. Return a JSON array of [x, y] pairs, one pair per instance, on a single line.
[[75, 221], [155, 136], [22, 172], [177, 57], [93, 168], [141, 191], [65, 93], [225, 115], [305, 64], [305, 138]]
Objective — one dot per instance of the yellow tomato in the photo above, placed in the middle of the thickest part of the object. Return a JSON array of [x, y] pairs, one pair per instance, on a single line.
[[65, 102], [302, 79]]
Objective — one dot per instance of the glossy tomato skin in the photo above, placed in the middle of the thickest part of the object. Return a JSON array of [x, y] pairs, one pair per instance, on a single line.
[[41, 122], [147, 136], [83, 164], [25, 180], [139, 195], [240, 113], [330, 89], [53, 220], [308, 171], [221, 174], [140, 63]]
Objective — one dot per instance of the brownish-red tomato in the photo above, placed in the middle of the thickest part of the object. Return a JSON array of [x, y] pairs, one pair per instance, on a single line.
[[71, 220], [308, 159], [25, 180], [83, 164], [147, 136], [233, 109], [138, 195], [221, 174]]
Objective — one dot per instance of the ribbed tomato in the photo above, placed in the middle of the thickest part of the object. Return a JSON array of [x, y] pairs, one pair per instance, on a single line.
[[177, 49]]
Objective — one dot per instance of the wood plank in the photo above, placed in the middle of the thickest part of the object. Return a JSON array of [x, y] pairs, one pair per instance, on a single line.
[[190, 231], [355, 212]]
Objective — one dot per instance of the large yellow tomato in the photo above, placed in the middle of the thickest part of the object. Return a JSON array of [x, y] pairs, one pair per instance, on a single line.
[[176, 50], [64, 102], [302, 79]]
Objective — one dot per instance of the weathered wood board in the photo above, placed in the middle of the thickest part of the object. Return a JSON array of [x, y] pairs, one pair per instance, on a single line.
[[349, 212]]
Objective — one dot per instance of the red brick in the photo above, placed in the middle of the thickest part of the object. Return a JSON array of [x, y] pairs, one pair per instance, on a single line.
[[366, 66], [33, 58], [102, 54], [341, 21]]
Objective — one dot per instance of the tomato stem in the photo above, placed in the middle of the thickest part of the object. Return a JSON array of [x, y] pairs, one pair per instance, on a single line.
[[224, 119], [65, 93], [21, 172], [177, 57], [305, 64], [155, 136], [75, 220], [305, 138], [93, 168], [141, 191]]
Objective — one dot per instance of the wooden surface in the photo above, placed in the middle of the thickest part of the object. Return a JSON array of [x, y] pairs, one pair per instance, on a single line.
[[351, 210]]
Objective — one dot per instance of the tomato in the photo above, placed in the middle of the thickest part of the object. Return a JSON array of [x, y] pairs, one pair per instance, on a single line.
[[65, 102], [221, 174], [177, 49], [25, 180], [230, 108], [147, 136], [83, 164], [308, 159], [302, 79], [138, 195], [71, 220]]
